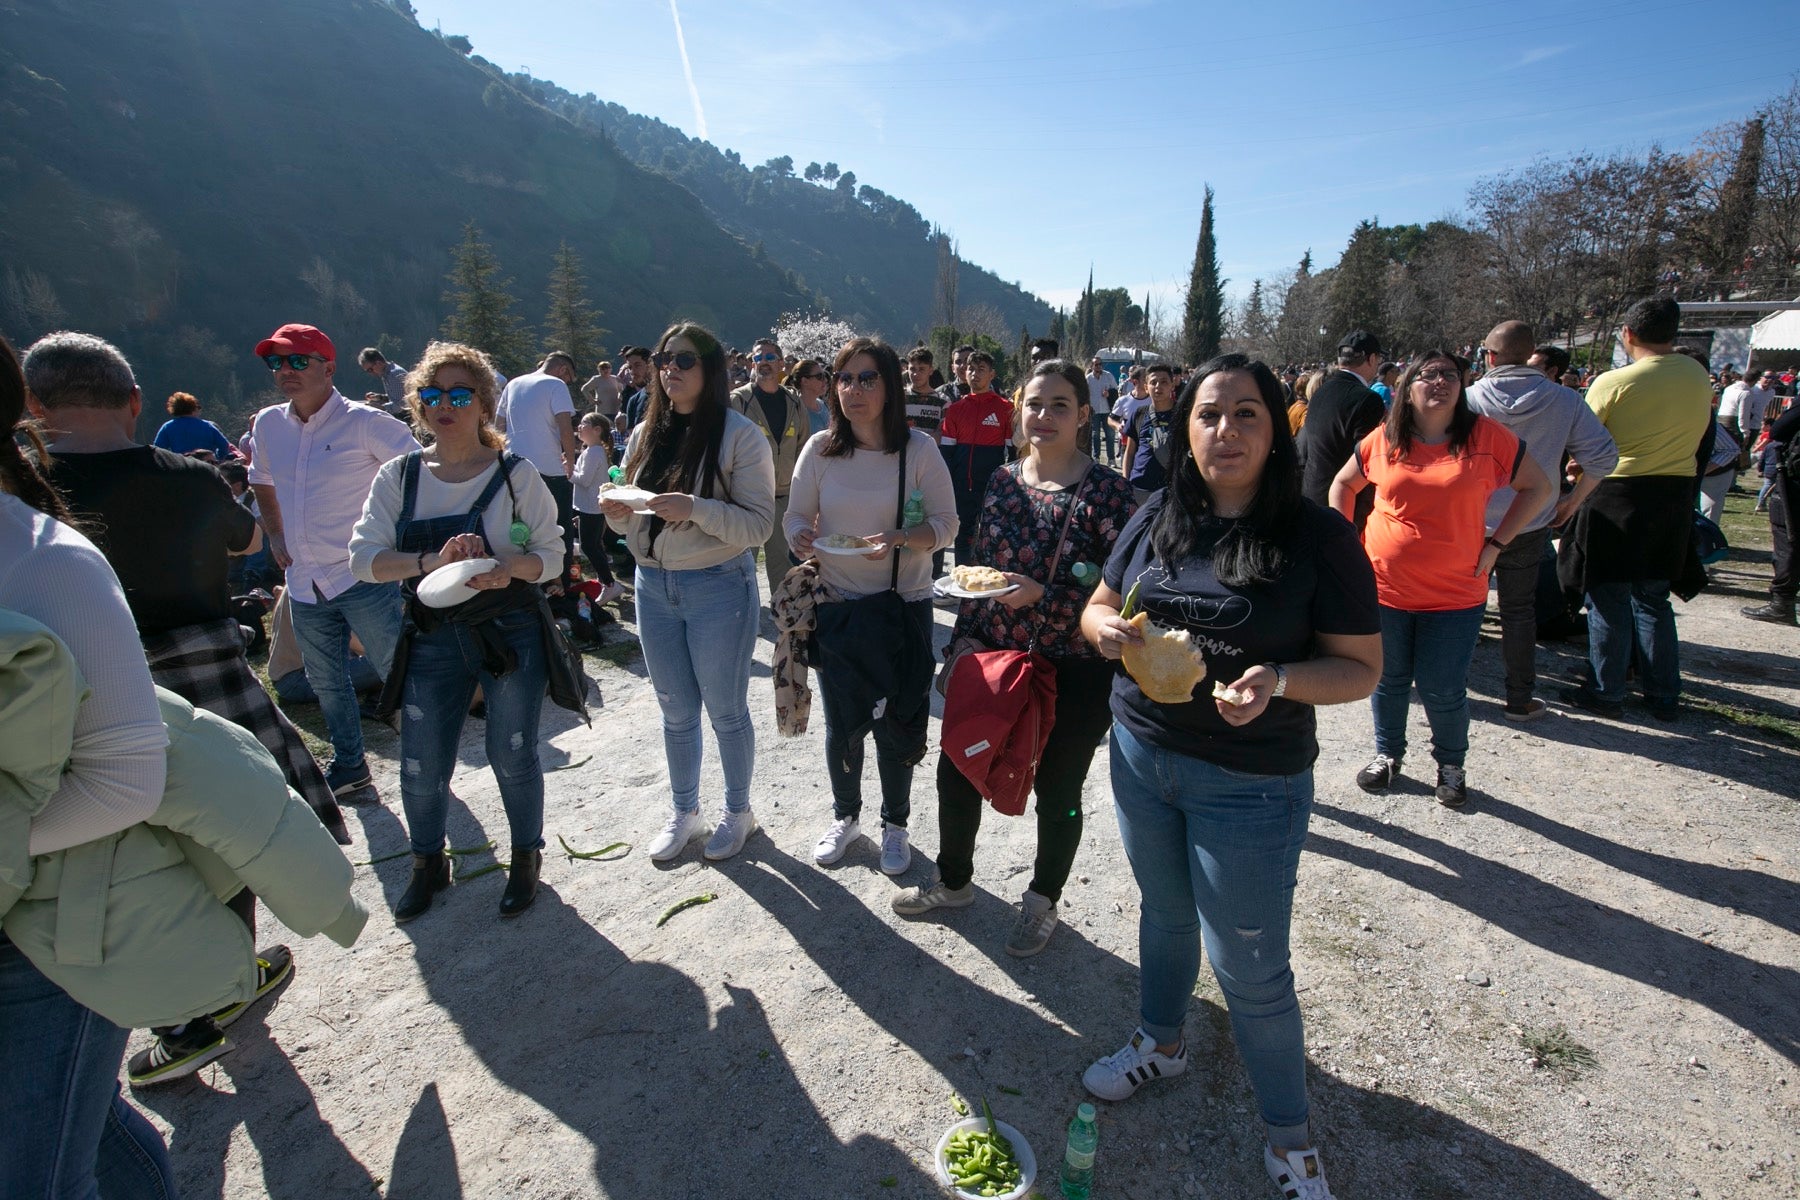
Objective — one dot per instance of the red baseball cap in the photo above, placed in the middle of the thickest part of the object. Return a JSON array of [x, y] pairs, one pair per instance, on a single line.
[[297, 339]]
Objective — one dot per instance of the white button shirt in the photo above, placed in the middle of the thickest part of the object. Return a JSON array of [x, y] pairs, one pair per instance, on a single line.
[[321, 470]]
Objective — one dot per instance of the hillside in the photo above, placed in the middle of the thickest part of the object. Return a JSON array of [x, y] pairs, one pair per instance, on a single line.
[[183, 175], [869, 256]]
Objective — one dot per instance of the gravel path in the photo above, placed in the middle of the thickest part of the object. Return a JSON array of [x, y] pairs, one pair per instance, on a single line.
[[1622, 896]]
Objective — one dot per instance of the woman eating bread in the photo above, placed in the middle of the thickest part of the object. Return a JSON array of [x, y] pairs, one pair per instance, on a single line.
[[1239, 583]]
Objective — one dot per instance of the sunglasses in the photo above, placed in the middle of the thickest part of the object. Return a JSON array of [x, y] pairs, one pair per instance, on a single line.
[[297, 362], [765, 358], [815, 375], [458, 397], [864, 381], [1436, 376], [685, 360]]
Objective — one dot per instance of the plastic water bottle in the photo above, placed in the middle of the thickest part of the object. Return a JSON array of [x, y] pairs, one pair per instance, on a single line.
[[914, 512], [615, 474], [1086, 574], [1078, 1160]]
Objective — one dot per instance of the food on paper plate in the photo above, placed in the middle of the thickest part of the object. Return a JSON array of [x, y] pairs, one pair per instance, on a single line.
[[1230, 695], [1167, 665], [846, 541], [978, 579]]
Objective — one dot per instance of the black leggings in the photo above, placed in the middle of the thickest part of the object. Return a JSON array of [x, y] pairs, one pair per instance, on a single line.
[[1083, 715], [593, 530]]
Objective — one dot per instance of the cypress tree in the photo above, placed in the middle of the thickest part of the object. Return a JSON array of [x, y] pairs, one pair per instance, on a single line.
[[1732, 221], [1203, 321]]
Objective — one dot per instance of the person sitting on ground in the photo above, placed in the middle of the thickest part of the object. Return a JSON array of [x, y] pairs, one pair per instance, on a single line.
[[187, 431], [464, 498], [1433, 464], [1214, 795], [1054, 506], [594, 431]]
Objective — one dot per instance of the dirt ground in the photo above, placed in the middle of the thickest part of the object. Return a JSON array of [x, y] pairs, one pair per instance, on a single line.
[[1586, 984]]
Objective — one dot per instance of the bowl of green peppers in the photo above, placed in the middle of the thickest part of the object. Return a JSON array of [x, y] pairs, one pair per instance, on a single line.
[[984, 1159]]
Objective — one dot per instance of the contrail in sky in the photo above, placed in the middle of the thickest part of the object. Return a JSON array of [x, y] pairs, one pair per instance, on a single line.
[[688, 70]]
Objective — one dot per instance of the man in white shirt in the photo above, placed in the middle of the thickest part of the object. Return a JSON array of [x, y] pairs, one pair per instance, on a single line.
[[537, 414], [316, 456], [1103, 389]]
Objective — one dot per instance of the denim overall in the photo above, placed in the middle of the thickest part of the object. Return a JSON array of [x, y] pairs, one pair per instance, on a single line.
[[446, 658]]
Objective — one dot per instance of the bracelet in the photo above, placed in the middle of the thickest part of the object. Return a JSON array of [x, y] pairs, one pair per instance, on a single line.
[[1497, 544], [421, 562], [1280, 688]]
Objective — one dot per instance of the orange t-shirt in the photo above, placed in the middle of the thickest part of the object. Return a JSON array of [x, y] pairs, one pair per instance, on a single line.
[[1428, 525]]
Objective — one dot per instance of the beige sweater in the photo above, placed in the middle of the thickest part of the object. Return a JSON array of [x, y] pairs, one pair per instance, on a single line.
[[855, 494], [723, 528]]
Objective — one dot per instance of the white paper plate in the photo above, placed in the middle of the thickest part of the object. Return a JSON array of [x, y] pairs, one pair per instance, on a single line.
[[947, 586], [637, 497], [1021, 1151], [822, 548], [448, 586]]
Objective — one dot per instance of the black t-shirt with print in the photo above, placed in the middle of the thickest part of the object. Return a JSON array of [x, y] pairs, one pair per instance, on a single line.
[[1150, 429], [166, 523], [1328, 587], [925, 410]]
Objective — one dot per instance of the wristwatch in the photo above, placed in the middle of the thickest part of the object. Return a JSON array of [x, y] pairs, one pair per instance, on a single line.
[[1497, 544], [1280, 688]]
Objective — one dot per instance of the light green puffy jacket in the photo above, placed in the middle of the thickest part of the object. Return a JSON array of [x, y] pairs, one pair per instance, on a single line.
[[134, 925]]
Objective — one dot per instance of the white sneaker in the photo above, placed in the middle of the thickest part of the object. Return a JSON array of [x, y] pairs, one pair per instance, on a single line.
[[1124, 1071], [610, 592], [896, 855], [1298, 1174], [730, 834], [837, 839], [683, 827], [1036, 922]]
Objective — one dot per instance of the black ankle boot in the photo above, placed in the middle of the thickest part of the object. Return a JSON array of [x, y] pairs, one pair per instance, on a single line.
[[430, 875], [1776, 612], [521, 881]]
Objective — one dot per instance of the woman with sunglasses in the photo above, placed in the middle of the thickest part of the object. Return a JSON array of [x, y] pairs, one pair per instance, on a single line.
[[810, 381], [851, 480], [713, 478], [1433, 463], [462, 498]]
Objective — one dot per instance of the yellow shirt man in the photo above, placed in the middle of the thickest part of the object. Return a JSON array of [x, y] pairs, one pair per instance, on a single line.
[[1656, 411]]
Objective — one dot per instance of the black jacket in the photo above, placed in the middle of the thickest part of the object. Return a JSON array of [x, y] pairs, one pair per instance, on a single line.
[[1339, 413]]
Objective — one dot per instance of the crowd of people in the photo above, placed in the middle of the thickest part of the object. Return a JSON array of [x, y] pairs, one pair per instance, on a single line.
[[1319, 539]]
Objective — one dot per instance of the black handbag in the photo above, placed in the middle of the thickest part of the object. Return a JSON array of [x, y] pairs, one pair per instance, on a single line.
[[565, 672]]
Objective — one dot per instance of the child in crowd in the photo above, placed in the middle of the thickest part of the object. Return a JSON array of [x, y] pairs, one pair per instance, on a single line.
[[590, 472], [1767, 455]]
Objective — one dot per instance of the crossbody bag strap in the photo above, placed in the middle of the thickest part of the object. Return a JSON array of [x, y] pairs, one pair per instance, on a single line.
[[899, 515], [1062, 542]]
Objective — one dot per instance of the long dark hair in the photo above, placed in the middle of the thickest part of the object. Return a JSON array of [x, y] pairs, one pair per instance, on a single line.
[[1255, 549], [1399, 426], [666, 459], [840, 439], [20, 473]]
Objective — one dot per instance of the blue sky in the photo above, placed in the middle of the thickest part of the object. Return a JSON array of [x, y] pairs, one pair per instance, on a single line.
[[1047, 135]]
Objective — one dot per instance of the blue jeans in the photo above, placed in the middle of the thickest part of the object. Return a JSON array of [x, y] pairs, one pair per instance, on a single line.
[[70, 1135], [1431, 649], [1215, 854], [373, 612], [1617, 612], [698, 629], [1101, 434], [441, 676]]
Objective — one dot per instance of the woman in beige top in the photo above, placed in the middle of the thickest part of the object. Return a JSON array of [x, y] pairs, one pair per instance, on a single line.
[[712, 480], [852, 481]]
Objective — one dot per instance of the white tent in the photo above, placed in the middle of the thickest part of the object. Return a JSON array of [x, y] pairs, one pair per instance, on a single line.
[[1777, 331]]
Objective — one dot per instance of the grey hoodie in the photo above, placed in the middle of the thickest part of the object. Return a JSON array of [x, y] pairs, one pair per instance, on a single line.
[[1551, 420]]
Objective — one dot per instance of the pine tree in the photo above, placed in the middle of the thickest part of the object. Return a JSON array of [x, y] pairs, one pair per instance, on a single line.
[[571, 323], [1728, 229], [1305, 270], [1254, 326], [1203, 321], [1059, 329], [482, 307], [1358, 282]]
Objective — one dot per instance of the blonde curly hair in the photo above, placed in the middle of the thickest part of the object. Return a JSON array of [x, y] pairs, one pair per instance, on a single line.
[[487, 387]]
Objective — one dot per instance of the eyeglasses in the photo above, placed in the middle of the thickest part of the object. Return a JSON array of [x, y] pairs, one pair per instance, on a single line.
[[1438, 376], [815, 375], [458, 397], [765, 358], [863, 381], [684, 360], [298, 362]]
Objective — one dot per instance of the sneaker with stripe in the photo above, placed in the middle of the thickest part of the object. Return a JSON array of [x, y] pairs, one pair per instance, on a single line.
[[1123, 1072], [1298, 1174], [177, 1053]]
